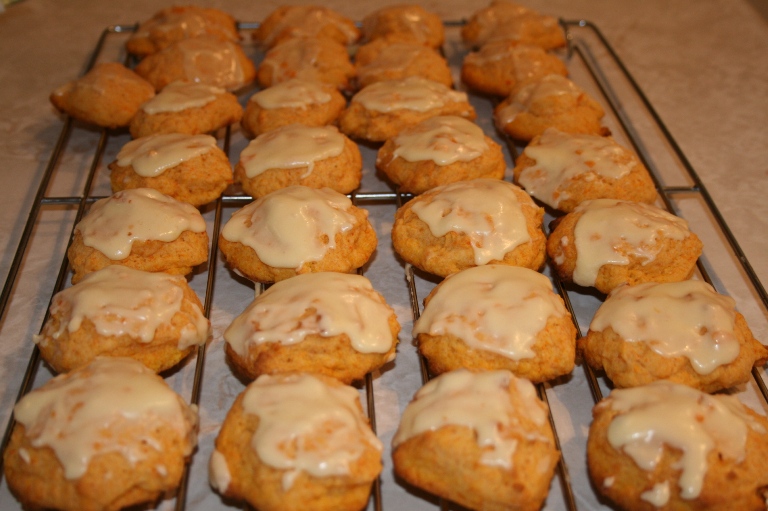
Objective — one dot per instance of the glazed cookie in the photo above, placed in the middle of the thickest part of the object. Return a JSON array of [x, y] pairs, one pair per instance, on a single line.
[[188, 168], [438, 151], [204, 59], [481, 440], [293, 439], [499, 66], [604, 243], [497, 317], [186, 107], [292, 102], [311, 21], [107, 436], [470, 223], [180, 22], [679, 331], [109, 95], [503, 19], [404, 22], [297, 230], [141, 229], [327, 323], [318, 157], [549, 102], [563, 170], [381, 110], [384, 59], [154, 318], [307, 58], [668, 446]]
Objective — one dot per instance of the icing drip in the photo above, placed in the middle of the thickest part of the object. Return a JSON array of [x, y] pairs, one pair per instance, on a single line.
[[178, 96], [150, 156]]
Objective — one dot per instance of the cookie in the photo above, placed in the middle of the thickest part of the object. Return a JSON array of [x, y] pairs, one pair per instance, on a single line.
[[142, 229], [335, 324], [109, 95], [318, 157], [505, 20], [404, 22], [188, 168], [293, 439], [470, 223], [384, 60], [107, 436], [604, 243], [563, 170], [438, 151], [481, 440], [312, 21]]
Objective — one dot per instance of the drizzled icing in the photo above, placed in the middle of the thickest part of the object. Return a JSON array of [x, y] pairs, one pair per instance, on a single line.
[[142, 214], [306, 425], [152, 155], [561, 157], [686, 319], [291, 226], [480, 401], [82, 413], [549, 86], [310, 21], [178, 96], [412, 93], [663, 414], [218, 472], [442, 139], [291, 147], [123, 301], [496, 308], [209, 60], [609, 231], [486, 210], [342, 304], [294, 93]]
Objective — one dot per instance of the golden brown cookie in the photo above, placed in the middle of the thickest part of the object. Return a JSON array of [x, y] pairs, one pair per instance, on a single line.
[[186, 107], [107, 436], [312, 21], [293, 439], [142, 229], [189, 168], [384, 59], [503, 19], [381, 110], [318, 157], [563, 170], [481, 440], [470, 223], [204, 59], [604, 243], [292, 102], [497, 317], [109, 95], [678, 331], [549, 102], [335, 324], [180, 22], [404, 22], [437, 151], [668, 446]]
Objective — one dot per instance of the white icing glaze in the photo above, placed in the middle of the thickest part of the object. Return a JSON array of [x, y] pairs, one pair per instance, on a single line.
[[486, 210], [396, 57], [442, 139], [663, 414], [294, 93], [291, 147], [309, 21], [523, 61], [184, 21], [297, 57], [676, 319], [122, 301], [480, 401], [73, 413], [608, 225], [496, 308], [411, 19], [291, 226], [209, 60], [412, 93], [499, 13], [152, 155], [342, 304], [307, 426], [178, 96], [218, 472], [561, 157], [658, 495], [113, 224], [548, 86]]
